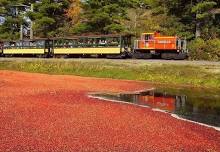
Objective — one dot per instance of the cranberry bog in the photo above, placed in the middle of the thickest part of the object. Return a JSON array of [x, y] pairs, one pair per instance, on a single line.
[[41, 112]]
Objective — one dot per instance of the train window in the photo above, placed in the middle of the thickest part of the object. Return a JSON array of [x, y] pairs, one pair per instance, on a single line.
[[58, 43], [148, 37], [75, 43], [65, 43], [6, 45], [113, 41], [88, 42], [33, 44], [1, 46], [102, 42], [91, 42], [69, 43], [17, 45], [24, 44], [80, 42], [40, 44], [12, 44]]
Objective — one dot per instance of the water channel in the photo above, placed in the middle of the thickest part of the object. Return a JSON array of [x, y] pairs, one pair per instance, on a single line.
[[199, 105]]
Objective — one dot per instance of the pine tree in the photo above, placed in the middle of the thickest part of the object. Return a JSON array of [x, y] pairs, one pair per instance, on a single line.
[[9, 10], [48, 17], [203, 16], [105, 16]]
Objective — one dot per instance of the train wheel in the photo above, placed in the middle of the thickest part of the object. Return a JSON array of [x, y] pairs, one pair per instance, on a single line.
[[116, 56], [8, 55], [101, 56], [174, 56], [61, 56], [41, 56], [167, 56], [86, 55], [139, 55]]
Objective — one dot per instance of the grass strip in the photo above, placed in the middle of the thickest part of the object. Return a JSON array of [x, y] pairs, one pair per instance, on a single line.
[[194, 75]]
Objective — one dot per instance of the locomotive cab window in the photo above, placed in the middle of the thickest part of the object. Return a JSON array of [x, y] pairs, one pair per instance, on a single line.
[[148, 37]]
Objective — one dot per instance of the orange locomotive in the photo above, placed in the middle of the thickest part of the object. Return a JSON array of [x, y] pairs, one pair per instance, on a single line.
[[166, 47]]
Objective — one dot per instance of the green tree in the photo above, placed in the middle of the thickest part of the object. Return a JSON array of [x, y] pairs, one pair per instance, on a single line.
[[204, 18], [105, 16], [156, 15], [9, 10], [49, 17]]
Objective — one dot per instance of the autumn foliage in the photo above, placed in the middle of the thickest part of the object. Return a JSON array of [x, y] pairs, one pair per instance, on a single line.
[[74, 11]]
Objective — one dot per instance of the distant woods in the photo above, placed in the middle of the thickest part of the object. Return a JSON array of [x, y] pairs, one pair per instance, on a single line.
[[186, 18], [196, 20]]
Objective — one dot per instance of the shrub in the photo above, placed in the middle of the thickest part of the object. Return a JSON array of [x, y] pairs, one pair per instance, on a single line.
[[204, 50], [213, 46], [197, 50]]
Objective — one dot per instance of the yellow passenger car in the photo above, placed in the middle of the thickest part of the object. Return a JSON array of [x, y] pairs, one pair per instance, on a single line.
[[37, 47], [103, 45]]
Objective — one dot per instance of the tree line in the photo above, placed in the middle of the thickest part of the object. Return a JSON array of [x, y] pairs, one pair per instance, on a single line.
[[196, 20]]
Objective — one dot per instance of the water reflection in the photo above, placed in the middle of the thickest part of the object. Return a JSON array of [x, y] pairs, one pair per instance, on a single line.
[[200, 107]]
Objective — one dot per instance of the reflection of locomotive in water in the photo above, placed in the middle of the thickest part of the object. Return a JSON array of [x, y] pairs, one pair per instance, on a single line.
[[158, 100], [162, 101], [182, 103], [110, 46]]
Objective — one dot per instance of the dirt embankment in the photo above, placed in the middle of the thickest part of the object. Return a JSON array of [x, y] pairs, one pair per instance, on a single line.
[[53, 113]]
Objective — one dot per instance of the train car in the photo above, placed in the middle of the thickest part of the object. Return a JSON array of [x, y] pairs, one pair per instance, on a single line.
[[106, 46], [1, 48], [110, 46], [165, 47], [36, 47]]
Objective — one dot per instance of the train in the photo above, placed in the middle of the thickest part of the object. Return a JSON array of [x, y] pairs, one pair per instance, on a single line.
[[150, 45]]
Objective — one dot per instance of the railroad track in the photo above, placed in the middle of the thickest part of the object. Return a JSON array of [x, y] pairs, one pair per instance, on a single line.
[[136, 61]]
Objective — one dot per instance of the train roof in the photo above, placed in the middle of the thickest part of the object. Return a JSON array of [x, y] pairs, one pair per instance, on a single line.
[[91, 36], [148, 33], [166, 37], [25, 40], [70, 37]]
